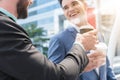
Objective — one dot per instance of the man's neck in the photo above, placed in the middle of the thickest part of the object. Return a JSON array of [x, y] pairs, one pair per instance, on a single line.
[[82, 24], [7, 13], [10, 8]]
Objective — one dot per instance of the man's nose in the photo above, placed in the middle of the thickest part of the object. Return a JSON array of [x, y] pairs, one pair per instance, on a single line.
[[71, 8]]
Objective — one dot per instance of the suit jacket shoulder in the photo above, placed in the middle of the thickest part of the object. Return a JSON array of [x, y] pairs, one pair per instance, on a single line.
[[66, 37], [20, 60]]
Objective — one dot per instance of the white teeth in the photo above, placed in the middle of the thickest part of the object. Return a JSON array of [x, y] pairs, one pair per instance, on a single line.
[[73, 14]]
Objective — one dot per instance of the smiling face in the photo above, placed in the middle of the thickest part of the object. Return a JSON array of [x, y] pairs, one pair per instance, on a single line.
[[22, 8], [75, 11]]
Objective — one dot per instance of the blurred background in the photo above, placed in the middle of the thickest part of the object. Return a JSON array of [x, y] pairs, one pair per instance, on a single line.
[[46, 19]]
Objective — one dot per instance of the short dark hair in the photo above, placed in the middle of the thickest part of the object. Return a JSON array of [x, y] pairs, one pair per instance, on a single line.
[[60, 1]]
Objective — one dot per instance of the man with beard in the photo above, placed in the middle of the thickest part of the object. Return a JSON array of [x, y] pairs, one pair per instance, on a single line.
[[20, 60], [60, 44]]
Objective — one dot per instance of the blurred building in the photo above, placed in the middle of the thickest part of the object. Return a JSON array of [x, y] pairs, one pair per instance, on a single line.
[[44, 13]]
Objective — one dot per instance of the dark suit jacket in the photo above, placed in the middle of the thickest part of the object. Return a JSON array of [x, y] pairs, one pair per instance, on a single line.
[[20, 60], [61, 43]]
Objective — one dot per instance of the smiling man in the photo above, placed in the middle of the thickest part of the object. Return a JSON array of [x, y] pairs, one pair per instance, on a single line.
[[60, 44]]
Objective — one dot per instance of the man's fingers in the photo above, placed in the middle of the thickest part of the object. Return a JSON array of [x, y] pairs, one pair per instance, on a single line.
[[95, 53]]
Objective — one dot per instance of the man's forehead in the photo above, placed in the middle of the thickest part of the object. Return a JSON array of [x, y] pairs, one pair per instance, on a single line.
[[64, 2]]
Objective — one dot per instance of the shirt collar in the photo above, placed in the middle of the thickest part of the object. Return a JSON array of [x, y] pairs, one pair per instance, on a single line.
[[8, 14], [76, 27]]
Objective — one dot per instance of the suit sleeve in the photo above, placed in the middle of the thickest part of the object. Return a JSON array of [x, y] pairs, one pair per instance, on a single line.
[[110, 73], [56, 50], [22, 61]]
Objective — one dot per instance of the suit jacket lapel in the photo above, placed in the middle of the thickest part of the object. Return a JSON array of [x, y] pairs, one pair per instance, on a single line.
[[102, 72]]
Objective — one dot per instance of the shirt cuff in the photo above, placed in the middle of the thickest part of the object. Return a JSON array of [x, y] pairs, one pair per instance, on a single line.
[[80, 45]]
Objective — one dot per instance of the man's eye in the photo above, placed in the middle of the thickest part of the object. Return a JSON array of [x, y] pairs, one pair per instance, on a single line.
[[65, 8], [74, 3]]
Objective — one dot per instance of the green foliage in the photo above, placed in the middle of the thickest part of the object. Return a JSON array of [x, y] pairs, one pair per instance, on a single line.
[[33, 31], [37, 36]]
